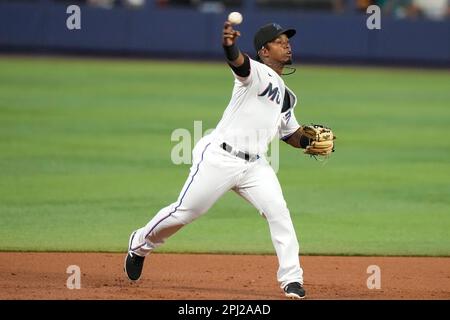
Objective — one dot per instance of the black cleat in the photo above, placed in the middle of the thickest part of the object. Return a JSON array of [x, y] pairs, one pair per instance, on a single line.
[[294, 290], [133, 263]]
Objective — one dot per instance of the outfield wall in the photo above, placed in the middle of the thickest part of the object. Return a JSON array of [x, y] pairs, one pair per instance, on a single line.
[[181, 32]]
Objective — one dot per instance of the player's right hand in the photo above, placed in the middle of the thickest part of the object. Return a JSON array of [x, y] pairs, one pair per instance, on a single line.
[[229, 34]]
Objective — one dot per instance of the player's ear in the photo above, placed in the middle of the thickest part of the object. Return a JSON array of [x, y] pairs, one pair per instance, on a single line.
[[264, 52]]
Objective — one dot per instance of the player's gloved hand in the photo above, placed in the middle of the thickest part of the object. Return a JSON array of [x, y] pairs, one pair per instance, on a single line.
[[317, 140], [229, 34]]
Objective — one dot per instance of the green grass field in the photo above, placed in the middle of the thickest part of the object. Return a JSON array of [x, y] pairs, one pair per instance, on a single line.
[[85, 158]]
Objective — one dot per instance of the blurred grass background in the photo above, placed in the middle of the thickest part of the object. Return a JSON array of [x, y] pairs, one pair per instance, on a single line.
[[85, 157]]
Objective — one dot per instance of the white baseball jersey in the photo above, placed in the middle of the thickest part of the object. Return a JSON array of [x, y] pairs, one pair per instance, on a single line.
[[253, 117], [254, 114]]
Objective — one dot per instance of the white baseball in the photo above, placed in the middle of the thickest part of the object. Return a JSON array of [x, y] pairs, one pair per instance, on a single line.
[[235, 17]]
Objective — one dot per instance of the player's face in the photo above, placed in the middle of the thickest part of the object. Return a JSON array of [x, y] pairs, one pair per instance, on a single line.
[[280, 49]]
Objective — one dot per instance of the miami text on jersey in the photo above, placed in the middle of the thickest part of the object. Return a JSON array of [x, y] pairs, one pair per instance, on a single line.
[[271, 93]]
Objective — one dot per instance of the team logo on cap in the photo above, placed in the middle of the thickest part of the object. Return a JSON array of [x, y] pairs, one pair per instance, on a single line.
[[277, 26]]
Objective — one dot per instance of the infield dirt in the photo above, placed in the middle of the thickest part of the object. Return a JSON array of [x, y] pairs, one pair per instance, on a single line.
[[218, 277]]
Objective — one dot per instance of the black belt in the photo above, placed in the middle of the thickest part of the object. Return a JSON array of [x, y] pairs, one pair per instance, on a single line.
[[239, 154]]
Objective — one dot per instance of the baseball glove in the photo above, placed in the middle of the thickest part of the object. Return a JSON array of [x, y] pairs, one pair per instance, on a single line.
[[318, 140]]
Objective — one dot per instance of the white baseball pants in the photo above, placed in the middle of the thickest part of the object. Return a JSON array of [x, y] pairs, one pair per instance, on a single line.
[[214, 171]]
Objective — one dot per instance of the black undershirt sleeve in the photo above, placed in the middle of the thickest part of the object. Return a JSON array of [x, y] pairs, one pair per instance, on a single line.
[[286, 102], [244, 69], [231, 52]]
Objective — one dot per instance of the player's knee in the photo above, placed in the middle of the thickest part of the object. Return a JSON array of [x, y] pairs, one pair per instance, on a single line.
[[187, 215], [279, 207]]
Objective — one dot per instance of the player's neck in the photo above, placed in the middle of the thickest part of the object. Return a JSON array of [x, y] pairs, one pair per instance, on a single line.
[[275, 66]]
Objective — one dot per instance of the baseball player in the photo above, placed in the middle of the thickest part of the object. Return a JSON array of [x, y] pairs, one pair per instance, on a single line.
[[232, 157]]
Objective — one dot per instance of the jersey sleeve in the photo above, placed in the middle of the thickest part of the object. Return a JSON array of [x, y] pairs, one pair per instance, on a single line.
[[254, 70], [289, 125]]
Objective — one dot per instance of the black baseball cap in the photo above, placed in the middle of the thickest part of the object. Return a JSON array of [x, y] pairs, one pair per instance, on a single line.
[[270, 32]]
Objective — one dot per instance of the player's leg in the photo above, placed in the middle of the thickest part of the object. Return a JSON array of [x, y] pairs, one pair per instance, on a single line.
[[207, 182], [261, 188]]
